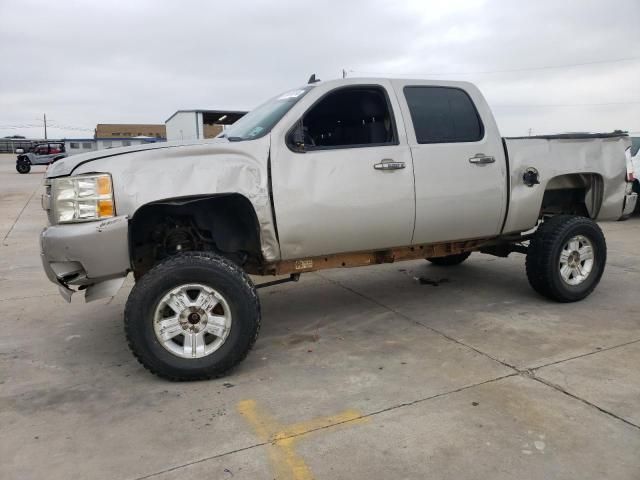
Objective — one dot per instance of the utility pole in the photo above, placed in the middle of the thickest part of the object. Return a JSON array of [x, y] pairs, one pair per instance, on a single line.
[[530, 130], [45, 126], [344, 73]]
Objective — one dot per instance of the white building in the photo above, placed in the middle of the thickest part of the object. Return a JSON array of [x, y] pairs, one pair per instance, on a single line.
[[112, 142], [81, 145], [199, 124]]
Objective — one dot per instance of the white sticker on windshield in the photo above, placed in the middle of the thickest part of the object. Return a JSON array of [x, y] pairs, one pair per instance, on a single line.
[[291, 94]]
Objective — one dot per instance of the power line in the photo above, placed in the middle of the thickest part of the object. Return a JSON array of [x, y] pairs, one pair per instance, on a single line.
[[49, 125], [553, 105], [524, 69]]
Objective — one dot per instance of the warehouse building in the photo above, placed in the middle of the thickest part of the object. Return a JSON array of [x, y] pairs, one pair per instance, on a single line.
[[130, 130], [81, 145], [199, 124]]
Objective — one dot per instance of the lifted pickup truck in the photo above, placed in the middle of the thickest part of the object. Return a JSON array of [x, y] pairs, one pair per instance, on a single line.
[[343, 173], [41, 154]]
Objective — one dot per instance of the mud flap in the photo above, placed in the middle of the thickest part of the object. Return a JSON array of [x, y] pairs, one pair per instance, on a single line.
[[66, 292], [104, 289]]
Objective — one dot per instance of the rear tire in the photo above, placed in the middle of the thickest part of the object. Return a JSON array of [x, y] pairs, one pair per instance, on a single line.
[[163, 311], [23, 166], [566, 258], [450, 260]]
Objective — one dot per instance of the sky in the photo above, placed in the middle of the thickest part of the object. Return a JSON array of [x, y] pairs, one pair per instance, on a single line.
[[544, 66]]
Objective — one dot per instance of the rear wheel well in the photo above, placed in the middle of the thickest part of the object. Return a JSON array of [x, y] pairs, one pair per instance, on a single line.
[[573, 194], [225, 224]]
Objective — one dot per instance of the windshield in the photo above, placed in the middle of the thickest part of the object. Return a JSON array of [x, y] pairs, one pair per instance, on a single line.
[[635, 146], [260, 121]]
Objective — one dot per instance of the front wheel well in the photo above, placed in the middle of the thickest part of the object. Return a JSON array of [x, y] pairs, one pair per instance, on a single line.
[[225, 224]]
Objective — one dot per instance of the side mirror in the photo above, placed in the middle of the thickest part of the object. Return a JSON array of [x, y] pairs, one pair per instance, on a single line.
[[296, 139]]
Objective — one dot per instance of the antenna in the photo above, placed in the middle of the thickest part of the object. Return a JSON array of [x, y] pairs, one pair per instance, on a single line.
[[313, 79]]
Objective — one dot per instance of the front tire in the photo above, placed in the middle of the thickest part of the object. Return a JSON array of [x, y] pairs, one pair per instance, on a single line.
[[450, 260], [566, 258], [193, 316]]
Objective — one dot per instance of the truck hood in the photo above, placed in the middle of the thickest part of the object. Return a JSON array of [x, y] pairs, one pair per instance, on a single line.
[[67, 165]]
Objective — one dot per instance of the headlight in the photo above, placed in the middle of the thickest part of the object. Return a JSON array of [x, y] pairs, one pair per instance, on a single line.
[[82, 198]]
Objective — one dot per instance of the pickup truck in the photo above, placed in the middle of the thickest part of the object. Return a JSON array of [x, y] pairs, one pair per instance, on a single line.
[[342, 173], [41, 154]]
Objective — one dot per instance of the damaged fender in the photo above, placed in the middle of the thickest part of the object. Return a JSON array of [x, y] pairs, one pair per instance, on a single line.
[[206, 168]]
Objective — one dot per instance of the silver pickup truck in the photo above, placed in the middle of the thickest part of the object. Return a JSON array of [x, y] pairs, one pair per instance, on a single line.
[[343, 173]]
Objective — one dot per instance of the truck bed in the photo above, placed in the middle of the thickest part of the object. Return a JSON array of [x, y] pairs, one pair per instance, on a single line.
[[565, 161]]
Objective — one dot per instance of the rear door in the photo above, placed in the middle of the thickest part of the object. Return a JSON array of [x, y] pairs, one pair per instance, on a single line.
[[458, 161], [351, 187]]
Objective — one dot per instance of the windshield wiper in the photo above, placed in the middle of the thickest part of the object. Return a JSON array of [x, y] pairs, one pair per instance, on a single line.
[[235, 139]]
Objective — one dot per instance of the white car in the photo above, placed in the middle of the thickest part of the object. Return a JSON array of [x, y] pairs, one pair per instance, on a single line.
[[634, 152]]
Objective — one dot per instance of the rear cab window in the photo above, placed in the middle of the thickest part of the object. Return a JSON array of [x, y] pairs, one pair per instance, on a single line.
[[443, 115]]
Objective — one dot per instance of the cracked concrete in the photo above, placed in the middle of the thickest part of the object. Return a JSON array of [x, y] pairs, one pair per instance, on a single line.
[[477, 377]]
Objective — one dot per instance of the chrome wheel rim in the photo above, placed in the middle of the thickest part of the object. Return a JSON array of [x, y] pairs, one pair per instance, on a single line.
[[576, 260], [192, 320]]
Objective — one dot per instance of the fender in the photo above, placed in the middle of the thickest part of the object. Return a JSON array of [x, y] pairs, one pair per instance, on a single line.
[[184, 171]]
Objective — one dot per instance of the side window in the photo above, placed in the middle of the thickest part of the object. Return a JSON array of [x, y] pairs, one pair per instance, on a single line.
[[349, 117], [126, 143], [74, 145], [443, 115]]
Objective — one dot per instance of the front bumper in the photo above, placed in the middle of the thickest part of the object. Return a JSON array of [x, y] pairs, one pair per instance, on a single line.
[[629, 204], [92, 256]]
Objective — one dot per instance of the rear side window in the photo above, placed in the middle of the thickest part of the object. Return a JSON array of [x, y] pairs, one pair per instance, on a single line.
[[443, 115]]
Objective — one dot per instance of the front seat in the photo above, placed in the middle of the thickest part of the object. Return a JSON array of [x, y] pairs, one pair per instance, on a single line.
[[374, 109]]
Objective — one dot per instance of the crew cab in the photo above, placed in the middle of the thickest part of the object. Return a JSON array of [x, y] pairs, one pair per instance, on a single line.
[[343, 173], [40, 154]]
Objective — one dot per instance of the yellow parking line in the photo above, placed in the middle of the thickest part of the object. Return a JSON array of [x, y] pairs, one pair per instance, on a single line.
[[287, 464]]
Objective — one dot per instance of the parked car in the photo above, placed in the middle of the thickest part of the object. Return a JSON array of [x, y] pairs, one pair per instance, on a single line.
[[634, 154], [41, 154], [344, 173]]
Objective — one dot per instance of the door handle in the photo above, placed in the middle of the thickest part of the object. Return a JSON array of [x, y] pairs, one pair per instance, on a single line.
[[481, 159], [388, 164]]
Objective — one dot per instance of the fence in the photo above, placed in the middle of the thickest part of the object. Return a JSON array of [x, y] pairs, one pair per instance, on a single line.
[[9, 145]]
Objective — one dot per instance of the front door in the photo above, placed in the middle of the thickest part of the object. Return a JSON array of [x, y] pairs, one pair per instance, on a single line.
[[342, 175]]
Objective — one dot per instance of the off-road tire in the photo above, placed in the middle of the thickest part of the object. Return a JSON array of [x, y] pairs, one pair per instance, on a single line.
[[543, 257], [205, 268], [23, 166], [450, 260]]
